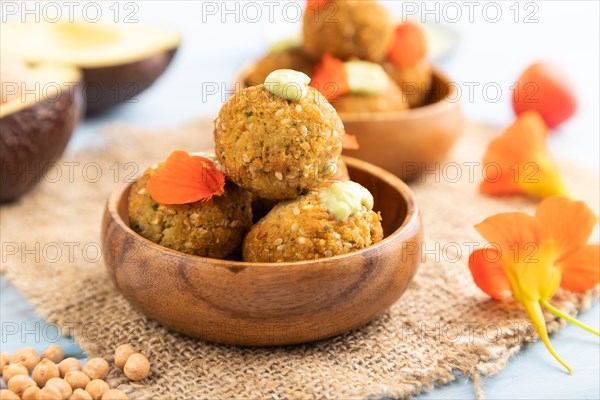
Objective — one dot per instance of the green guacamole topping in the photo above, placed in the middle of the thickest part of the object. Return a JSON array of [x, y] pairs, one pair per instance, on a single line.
[[366, 77], [287, 83], [344, 199]]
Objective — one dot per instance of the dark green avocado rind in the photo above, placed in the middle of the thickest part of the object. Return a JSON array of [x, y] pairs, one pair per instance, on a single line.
[[106, 87], [33, 138]]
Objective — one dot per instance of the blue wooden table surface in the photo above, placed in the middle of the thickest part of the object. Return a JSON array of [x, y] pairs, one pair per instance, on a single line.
[[489, 53]]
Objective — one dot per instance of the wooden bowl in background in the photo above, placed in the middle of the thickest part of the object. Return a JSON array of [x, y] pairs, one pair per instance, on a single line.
[[403, 142], [410, 142], [265, 304]]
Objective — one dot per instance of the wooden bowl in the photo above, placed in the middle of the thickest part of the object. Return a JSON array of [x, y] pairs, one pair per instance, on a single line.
[[406, 143], [266, 304]]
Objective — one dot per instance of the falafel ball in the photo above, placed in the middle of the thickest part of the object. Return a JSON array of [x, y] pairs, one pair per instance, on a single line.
[[293, 58], [339, 172], [391, 99], [276, 148], [415, 82], [213, 228], [348, 29], [307, 228]]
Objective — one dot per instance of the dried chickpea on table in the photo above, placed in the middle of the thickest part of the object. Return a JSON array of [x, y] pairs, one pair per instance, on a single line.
[[54, 377]]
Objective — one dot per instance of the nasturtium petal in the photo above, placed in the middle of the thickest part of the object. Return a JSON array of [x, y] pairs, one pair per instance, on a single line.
[[350, 142], [409, 46], [488, 273], [330, 78], [518, 161], [581, 269], [315, 5], [186, 179], [510, 233], [569, 223]]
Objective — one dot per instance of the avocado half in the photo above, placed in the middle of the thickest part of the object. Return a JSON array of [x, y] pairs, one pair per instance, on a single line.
[[118, 61], [36, 126]]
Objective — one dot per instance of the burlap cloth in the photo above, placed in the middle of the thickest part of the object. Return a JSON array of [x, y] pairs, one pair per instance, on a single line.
[[442, 326]]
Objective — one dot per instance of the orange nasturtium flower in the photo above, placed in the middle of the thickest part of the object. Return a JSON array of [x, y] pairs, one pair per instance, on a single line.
[[186, 179], [409, 45], [518, 162], [350, 142], [330, 78], [314, 5], [531, 256]]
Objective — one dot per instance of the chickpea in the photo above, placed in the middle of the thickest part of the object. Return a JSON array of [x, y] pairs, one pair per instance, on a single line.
[[27, 357], [77, 379], [114, 394], [4, 360], [80, 394], [49, 393], [18, 383], [53, 353], [13, 369], [31, 393], [122, 353], [6, 394], [68, 365], [137, 367], [45, 370], [97, 388], [63, 387], [96, 368]]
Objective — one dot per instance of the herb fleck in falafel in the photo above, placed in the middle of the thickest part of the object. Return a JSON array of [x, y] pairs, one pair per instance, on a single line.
[[326, 222]]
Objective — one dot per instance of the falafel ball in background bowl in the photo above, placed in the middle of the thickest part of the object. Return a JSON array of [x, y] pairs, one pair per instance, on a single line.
[[407, 63], [324, 223], [213, 225], [359, 87], [279, 139], [347, 29], [415, 81]]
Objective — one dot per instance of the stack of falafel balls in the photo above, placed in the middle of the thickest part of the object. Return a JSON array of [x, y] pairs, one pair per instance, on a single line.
[[279, 146], [356, 30]]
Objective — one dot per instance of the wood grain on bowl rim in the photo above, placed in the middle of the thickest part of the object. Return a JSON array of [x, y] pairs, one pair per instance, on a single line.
[[265, 304]]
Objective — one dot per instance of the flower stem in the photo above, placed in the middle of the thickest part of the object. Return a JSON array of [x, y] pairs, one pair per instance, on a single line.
[[568, 318], [535, 313]]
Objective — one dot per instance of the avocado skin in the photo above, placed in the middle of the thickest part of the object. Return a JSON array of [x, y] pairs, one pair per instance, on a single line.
[[106, 87], [31, 139]]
